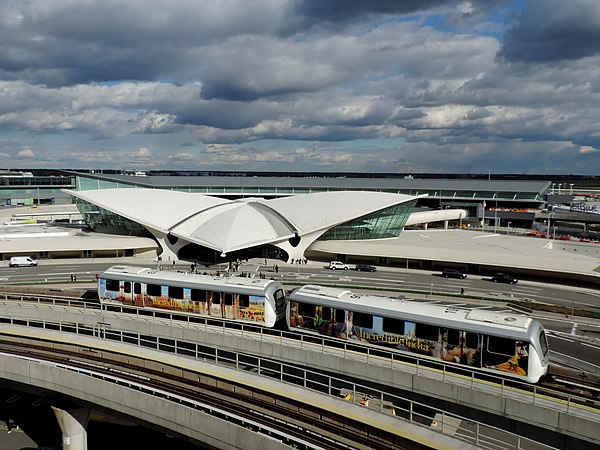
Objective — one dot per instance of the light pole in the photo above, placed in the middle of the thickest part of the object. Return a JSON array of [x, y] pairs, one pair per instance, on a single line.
[[483, 217], [496, 214], [509, 228]]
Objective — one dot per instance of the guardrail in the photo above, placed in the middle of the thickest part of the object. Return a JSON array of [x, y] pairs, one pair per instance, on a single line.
[[412, 411], [535, 394]]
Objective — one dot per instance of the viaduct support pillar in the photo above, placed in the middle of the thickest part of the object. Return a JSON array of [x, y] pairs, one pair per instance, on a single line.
[[72, 424]]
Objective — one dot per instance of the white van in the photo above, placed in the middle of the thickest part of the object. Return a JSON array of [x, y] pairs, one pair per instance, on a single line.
[[17, 261]]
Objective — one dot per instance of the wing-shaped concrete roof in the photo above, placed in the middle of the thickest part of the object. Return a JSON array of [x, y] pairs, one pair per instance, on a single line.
[[228, 225]]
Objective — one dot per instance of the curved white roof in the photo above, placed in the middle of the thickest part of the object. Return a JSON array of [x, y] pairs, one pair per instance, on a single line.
[[228, 225]]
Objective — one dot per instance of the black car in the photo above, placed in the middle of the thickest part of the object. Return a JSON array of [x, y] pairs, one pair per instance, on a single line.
[[365, 268], [504, 278], [453, 273]]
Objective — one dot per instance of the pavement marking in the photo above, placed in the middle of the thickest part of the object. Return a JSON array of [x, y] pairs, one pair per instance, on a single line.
[[595, 347], [561, 338], [576, 359]]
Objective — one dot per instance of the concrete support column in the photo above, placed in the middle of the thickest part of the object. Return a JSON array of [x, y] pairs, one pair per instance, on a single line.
[[73, 424]]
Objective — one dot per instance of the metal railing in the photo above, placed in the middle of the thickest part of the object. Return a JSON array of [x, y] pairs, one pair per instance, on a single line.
[[412, 411]]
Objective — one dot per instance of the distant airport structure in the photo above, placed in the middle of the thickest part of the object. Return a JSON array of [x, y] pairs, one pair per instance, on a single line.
[[384, 220]]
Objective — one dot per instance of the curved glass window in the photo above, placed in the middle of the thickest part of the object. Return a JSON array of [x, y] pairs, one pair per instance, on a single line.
[[386, 223], [101, 220]]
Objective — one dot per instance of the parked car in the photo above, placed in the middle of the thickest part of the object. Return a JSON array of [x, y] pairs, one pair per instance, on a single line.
[[453, 273], [504, 278], [17, 261], [337, 265], [365, 268]]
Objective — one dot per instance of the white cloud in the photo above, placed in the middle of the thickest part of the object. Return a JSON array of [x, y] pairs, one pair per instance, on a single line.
[[237, 78], [26, 153]]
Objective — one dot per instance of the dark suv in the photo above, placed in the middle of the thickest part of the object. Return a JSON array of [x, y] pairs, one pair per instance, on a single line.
[[365, 268], [453, 273], [504, 278]]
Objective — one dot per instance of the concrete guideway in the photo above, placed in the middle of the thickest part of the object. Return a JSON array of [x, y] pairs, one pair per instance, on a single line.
[[521, 406]]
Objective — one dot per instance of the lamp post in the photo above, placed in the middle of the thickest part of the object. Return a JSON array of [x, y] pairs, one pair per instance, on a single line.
[[496, 214], [483, 217], [509, 228]]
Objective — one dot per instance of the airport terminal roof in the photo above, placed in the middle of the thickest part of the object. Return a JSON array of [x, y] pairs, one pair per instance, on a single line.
[[229, 225], [406, 185]]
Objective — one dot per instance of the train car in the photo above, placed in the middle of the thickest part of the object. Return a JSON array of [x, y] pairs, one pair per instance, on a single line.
[[251, 300], [512, 345]]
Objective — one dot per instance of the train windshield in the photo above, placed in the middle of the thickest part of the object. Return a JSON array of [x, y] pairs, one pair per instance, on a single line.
[[543, 342]]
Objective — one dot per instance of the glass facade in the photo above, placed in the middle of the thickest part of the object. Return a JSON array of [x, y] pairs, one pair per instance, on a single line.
[[386, 223], [101, 220]]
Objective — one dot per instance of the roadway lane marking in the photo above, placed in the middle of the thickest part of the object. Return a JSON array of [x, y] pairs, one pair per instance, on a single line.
[[576, 359], [595, 347], [561, 338]]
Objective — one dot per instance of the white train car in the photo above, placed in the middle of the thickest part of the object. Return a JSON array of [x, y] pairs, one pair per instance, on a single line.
[[512, 345], [252, 300]]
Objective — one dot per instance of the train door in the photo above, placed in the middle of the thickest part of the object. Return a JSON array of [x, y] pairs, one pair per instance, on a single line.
[[127, 293], [328, 319], [228, 305], [340, 330], [138, 296], [461, 347], [215, 304], [472, 350]]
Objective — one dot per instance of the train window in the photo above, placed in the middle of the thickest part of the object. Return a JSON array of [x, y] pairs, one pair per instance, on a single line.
[[127, 287], [176, 292], [453, 337], [197, 295], [471, 340], [154, 289], [227, 299], [502, 346], [363, 320], [306, 309], [340, 315], [391, 325], [112, 285], [137, 288], [216, 298], [543, 343], [243, 301], [279, 296], [326, 314], [427, 332]]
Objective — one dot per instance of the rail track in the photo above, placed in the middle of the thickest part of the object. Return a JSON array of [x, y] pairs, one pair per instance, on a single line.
[[296, 424]]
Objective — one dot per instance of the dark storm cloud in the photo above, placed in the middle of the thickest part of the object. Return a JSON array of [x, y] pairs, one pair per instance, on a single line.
[[341, 11], [366, 85], [554, 30], [59, 43]]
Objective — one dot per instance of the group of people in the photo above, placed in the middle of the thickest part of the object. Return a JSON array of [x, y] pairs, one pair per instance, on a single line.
[[298, 261]]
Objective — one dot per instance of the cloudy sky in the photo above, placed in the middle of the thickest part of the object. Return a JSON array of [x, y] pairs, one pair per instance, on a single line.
[[405, 86]]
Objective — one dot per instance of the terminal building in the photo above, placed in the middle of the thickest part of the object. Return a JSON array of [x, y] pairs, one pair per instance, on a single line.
[[218, 218]]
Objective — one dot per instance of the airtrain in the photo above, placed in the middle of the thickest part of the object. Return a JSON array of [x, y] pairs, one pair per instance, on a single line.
[[510, 345], [251, 300]]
